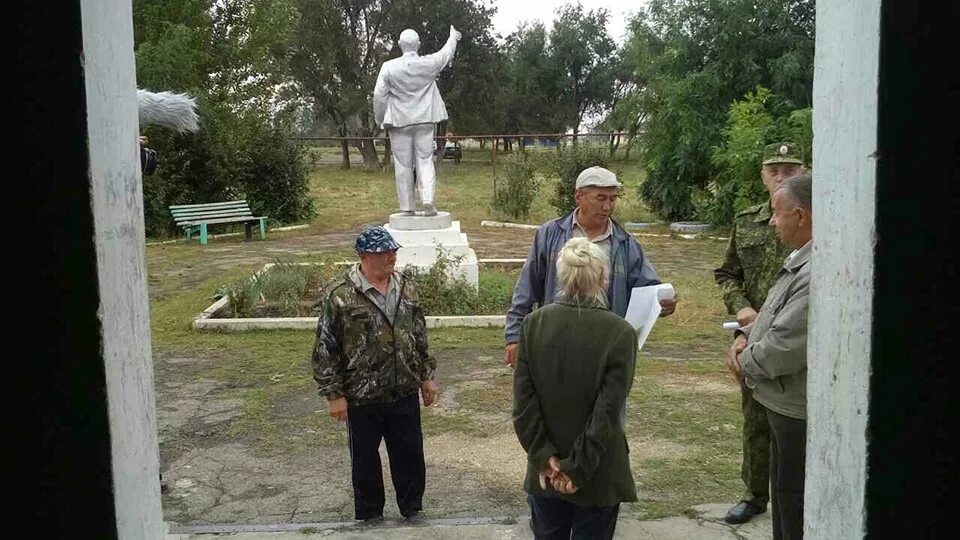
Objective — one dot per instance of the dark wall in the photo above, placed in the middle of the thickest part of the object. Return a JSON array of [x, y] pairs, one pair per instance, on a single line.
[[69, 493], [912, 468]]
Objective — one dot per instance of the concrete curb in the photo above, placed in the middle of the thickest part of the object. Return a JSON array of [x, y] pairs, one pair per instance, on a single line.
[[690, 227], [205, 320], [506, 225], [310, 323]]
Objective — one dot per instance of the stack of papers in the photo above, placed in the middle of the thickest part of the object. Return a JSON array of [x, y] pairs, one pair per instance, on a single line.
[[644, 308]]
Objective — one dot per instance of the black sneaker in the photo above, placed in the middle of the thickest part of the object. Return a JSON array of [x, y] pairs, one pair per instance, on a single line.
[[742, 513]]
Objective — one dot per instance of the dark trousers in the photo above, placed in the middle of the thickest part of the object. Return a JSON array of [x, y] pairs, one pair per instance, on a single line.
[[556, 519], [755, 467], [397, 422], [788, 456]]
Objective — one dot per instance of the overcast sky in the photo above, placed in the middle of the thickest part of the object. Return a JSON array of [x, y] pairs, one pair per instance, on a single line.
[[511, 12]]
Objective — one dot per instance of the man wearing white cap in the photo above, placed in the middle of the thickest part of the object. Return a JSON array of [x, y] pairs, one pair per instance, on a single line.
[[596, 195]]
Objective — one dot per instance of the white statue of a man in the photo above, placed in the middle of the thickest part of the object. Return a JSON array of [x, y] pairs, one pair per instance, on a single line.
[[407, 104]]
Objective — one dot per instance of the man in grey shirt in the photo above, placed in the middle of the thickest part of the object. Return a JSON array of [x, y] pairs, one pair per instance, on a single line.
[[769, 356]]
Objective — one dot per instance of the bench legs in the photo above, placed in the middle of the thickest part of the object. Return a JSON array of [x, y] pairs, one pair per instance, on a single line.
[[263, 229], [204, 237]]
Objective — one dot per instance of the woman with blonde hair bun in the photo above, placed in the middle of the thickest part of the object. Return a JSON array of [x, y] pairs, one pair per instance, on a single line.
[[575, 367], [581, 271]]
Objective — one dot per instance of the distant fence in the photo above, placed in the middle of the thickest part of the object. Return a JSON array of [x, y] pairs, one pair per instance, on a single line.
[[474, 148]]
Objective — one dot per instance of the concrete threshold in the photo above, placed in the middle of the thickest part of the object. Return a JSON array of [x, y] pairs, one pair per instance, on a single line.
[[334, 525], [705, 522]]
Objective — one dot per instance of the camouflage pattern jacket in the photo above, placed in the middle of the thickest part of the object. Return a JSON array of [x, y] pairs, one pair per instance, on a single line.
[[359, 355], [753, 260]]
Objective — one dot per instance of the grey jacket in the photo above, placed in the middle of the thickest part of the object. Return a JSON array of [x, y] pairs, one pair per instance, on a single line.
[[538, 279], [774, 363]]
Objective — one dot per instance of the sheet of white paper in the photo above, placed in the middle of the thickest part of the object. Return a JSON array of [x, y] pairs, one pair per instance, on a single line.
[[644, 310]]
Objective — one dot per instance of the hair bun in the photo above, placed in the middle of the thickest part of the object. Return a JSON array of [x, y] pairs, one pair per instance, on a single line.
[[578, 255]]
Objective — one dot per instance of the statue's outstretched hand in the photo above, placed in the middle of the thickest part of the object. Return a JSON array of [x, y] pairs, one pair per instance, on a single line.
[[455, 33]]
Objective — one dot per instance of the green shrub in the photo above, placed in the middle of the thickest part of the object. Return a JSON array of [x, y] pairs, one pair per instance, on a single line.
[[234, 156], [442, 295], [515, 193], [283, 285], [760, 118], [244, 296]]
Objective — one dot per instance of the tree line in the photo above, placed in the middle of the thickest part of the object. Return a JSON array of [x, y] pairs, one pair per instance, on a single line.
[[265, 70]]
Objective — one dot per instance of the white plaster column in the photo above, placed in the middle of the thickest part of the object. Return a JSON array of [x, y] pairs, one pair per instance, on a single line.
[[117, 195], [841, 292]]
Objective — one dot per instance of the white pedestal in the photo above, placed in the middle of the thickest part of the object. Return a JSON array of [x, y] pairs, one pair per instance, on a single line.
[[421, 245]]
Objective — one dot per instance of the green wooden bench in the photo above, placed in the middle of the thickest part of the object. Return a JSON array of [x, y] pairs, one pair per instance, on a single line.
[[195, 218]]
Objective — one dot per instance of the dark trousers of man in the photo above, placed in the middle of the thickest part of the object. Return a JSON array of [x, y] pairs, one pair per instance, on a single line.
[[755, 467], [397, 422], [556, 519], [788, 456]]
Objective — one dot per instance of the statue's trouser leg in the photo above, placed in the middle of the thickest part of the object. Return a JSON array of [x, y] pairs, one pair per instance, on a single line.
[[425, 143], [401, 144]]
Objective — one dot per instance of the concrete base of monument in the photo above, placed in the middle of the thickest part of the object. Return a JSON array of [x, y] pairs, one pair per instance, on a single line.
[[419, 222], [422, 239]]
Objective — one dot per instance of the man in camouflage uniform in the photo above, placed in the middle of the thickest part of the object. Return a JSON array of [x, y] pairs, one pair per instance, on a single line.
[[754, 257], [370, 361]]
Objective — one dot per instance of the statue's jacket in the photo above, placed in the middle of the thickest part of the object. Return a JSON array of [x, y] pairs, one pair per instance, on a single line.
[[406, 92]]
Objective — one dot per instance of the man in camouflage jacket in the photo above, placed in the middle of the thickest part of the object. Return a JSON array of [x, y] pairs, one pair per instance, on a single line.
[[370, 360], [753, 258]]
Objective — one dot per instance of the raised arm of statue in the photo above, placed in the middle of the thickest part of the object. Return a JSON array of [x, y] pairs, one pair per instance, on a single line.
[[442, 58]]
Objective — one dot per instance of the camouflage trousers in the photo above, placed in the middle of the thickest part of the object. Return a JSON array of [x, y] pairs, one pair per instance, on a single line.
[[755, 468]]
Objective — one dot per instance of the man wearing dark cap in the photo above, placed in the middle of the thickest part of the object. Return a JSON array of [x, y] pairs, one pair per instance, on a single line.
[[370, 361], [753, 258], [597, 190]]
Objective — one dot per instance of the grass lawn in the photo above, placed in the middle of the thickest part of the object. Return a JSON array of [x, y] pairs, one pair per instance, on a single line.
[[349, 199], [683, 413]]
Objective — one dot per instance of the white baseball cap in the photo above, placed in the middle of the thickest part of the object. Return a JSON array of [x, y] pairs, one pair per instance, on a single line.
[[597, 176]]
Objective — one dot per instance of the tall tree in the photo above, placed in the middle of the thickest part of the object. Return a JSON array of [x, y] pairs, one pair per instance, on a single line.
[[697, 57], [628, 109], [582, 47], [339, 48], [534, 92]]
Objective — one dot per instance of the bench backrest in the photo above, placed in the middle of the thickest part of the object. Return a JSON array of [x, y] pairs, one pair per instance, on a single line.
[[185, 213]]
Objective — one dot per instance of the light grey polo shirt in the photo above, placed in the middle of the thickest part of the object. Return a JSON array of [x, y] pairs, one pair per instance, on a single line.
[[387, 303], [604, 241]]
